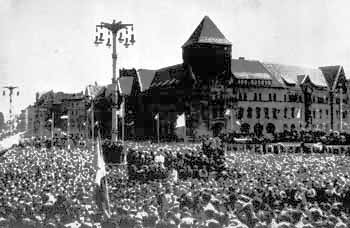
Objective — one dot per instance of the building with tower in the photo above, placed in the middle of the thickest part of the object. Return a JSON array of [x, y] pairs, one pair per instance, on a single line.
[[218, 93]]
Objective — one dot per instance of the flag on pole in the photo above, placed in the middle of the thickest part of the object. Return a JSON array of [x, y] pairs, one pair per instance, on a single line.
[[227, 112], [100, 164], [121, 112], [101, 195], [64, 117], [180, 121], [156, 117], [299, 114]]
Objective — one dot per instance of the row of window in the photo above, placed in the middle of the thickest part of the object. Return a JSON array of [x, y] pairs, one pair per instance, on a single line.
[[271, 97], [287, 113], [287, 98], [260, 112], [319, 114], [254, 82], [270, 128]]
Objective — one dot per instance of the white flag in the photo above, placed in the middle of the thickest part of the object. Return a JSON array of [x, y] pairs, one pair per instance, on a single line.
[[122, 110], [299, 114], [156, 116], [64, 117], [100, 164], [180, 121], [101, 187], [238, 123], [228, 112]]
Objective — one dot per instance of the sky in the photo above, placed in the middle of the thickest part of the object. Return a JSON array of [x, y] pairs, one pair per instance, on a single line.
[[48, 44]]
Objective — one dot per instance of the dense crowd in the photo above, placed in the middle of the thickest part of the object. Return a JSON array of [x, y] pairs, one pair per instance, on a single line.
[[196, 161], [54, 188], [306, 136]]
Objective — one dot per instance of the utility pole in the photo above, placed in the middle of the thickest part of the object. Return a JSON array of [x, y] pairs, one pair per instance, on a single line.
[[11, 90], [114, 28]]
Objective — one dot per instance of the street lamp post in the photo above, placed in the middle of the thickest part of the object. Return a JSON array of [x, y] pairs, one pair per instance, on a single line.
[[10, 89], [114, 28]]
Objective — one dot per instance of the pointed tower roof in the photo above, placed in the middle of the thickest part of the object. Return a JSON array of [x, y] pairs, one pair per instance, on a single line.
[[207, 32]]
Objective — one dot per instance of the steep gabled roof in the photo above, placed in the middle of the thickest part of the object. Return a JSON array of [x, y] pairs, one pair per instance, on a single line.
[[249, 69], [125, 85], [169, 76], [145, 78], [330, 74], [252, 69], [290, 74], [207, 32]]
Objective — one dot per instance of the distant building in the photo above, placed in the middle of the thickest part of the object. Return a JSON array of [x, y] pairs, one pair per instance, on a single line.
[[53, 105]]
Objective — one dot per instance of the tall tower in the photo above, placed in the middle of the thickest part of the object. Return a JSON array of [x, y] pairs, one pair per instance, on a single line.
[[207, 51]]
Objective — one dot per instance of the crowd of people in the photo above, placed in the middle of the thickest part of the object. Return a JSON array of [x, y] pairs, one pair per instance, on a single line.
[[196, 161], [55, 187], [306, 136]]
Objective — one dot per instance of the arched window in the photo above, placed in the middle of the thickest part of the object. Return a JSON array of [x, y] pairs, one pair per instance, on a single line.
[[245, 128], [270, 97], [274, 113], [274, 97], [258, 128], [255, 97], [257, 110], [249, 113], [266, 111], [292, 127], [240, 113], [285, 112], [285, 127], [270, 128], [259, 96], [245, 97]]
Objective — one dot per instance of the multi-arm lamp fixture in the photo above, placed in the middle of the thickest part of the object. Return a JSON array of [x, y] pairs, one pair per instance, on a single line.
[[114, 28]]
